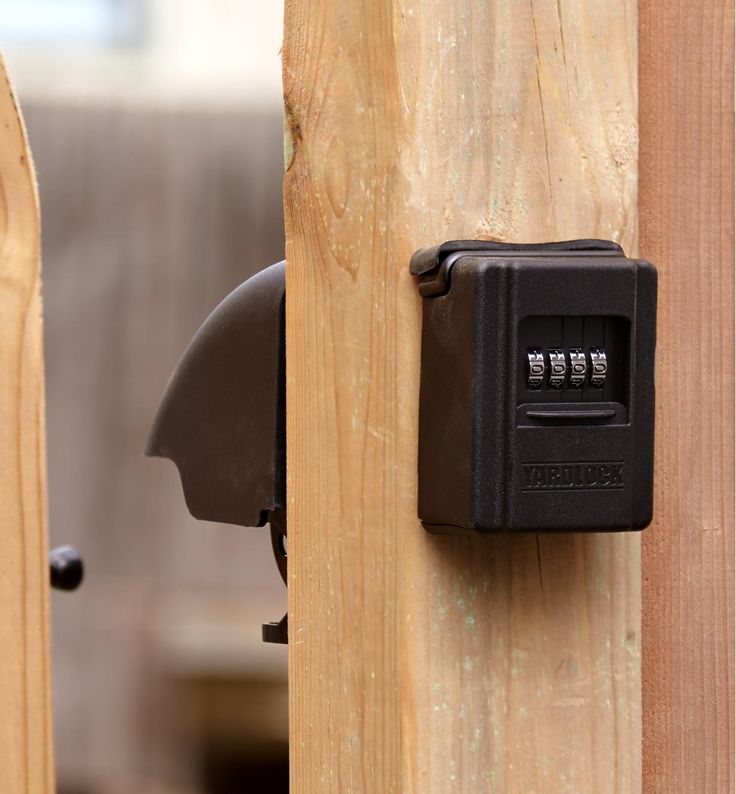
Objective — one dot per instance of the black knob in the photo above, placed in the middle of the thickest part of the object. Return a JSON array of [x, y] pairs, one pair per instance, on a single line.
[[66, 567]]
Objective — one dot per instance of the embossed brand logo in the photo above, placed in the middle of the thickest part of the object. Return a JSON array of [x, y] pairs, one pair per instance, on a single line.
[[572, 476]]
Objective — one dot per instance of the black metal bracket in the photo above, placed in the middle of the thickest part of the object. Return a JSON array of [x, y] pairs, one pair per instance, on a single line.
[[278, 632]]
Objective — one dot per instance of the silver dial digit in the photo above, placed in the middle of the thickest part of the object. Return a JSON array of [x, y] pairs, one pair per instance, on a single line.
[[578, 368], [557, 368], [535, 367], [598, 367]]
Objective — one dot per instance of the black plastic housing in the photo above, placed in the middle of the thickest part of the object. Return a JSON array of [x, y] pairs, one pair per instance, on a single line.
[[497, 455], [222, 419]]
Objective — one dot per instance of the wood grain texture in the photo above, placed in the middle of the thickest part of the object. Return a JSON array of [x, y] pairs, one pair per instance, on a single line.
[[687, 228], [419, 663], [26, 759]]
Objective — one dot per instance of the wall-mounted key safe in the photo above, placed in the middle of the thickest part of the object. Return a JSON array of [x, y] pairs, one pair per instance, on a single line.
[[222, 420], [536, 404]]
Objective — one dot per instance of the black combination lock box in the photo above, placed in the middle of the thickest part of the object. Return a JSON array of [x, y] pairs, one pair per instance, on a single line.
[[537, 387]]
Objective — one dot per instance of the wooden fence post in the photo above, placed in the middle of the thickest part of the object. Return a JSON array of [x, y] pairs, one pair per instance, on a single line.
[[26, 759], [686, 58], [439, 664]]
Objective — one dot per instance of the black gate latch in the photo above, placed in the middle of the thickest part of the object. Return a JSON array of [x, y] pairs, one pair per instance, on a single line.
[[222, 419]]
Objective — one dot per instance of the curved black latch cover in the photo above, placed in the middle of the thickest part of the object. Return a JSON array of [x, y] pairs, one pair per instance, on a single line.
[[222, 419]]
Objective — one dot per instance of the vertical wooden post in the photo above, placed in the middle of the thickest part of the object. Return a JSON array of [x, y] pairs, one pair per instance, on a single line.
[[687, 227], [441, 664], [26, 762]]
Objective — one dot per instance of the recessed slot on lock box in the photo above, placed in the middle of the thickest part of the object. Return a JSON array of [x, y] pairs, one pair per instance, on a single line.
[[537, 387]]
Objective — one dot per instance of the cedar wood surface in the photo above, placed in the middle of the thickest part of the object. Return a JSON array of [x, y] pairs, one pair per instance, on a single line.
[[26, 757], [686, 211], [420, 663]]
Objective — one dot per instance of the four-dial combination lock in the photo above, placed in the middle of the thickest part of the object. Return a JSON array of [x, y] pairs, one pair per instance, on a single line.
[[573, 368], [536, 406]]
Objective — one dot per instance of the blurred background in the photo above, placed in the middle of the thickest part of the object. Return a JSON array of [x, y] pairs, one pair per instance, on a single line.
[[156, 129]]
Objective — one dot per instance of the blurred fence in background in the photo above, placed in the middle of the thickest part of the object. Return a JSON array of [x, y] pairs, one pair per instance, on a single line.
[[150, 217], [156, 129]]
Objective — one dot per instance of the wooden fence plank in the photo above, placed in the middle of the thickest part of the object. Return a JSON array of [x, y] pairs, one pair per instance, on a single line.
[[687, 227], [419, 663], [26, 762]]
